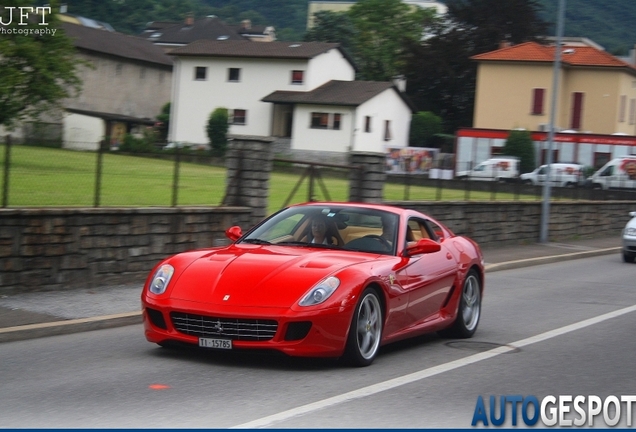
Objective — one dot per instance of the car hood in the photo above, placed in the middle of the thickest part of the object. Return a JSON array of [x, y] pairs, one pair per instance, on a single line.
[[259, 276]]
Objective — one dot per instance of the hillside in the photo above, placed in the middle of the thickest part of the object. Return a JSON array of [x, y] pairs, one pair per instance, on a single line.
[[608, 23]]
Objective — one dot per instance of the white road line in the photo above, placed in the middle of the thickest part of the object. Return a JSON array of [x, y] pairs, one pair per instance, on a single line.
[[425, 373]]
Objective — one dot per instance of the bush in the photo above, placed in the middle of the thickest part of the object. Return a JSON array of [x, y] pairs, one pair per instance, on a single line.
[[216, 129], [519, 143], [145, 144], [425, 125]]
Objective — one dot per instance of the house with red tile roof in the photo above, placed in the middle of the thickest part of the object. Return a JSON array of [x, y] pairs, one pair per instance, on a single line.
[[596, 91], [595, 115]]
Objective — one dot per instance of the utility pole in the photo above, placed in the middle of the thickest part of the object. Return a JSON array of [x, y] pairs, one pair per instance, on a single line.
[[545, 205]]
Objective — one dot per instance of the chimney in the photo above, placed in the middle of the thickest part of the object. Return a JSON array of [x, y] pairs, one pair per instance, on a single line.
[[504, 44], [63, 8], [246, 24], [400, 82], [189, 21]]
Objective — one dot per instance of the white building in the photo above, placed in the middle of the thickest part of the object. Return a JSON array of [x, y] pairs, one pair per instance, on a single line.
[[302, 92]]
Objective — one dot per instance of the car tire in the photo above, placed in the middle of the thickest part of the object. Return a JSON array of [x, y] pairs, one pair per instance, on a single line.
[[365, 331], [469, 309], [628, 258]]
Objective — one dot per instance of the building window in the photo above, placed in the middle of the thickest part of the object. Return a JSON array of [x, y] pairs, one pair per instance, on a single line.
[[367, 123], [336, 121], [238, 117], [320, 120], [544, 156], [537, 101], [200, 72], [142, 73], [622, 109], [297, 77], [577, 110], [387, 130], [601, 158], [632, 111], [234, 74], [118, 69]]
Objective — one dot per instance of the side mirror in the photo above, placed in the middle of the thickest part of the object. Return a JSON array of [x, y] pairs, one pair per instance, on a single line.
[[234, 233], [423, 246]]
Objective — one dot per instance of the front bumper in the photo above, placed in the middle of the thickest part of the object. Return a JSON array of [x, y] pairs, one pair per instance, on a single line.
[[629, 245], [326, 335]]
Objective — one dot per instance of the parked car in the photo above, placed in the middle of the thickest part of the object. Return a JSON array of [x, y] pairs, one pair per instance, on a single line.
[[629, 239], [495, 169], [319, 280], [561, 174], [619, 173]]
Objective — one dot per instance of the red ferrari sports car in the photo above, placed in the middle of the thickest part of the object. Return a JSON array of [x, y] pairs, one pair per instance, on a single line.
[[319, 280]]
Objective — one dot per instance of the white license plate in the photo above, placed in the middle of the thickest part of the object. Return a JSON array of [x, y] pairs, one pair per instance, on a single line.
[[215, 343]]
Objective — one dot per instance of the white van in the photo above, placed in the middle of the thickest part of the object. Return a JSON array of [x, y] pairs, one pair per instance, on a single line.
[[505, 168], [619, 173], [561, 174]]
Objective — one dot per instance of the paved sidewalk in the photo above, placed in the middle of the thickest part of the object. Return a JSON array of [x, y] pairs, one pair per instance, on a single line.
[[30, 315]]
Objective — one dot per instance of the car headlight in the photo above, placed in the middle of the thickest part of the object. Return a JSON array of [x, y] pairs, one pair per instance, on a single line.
[[161, 279], [630, 232], [321, 292]]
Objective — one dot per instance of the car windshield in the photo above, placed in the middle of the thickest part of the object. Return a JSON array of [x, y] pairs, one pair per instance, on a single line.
[[329, 227]]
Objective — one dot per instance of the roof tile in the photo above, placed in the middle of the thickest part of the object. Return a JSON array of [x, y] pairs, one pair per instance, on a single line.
[[570, 55]]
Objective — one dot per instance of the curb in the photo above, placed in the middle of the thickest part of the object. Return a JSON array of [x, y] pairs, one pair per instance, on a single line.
[[33, 331], [508, 265]]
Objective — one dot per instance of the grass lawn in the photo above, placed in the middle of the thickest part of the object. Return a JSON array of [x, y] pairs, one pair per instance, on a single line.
[[56, 177]]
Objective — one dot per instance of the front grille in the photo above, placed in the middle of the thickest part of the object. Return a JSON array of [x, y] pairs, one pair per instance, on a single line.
[[237, 329]]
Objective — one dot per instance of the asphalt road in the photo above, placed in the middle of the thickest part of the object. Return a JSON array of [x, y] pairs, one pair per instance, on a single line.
[[535, 338]]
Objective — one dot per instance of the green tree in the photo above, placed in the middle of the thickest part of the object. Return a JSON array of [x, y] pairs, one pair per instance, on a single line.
[[425, 125], [216, 129], [37, 70], [519, 143], [382, 29], [332, 27], [164, 122], [440, 72]]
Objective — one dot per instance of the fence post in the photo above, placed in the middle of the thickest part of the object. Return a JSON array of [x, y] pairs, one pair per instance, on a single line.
[[175, 178], [7, 163], [98, 175]]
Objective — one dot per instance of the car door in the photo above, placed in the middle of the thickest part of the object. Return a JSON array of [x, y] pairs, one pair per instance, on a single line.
[[429, 276]]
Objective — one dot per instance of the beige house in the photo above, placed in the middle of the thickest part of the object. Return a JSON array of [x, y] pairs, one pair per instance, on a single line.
[[596, 92]]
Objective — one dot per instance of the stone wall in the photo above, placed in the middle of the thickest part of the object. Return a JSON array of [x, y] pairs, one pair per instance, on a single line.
[[517, 222], [49, 249]]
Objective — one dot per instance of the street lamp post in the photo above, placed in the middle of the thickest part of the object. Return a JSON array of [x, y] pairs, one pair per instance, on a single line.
[[545, 205]]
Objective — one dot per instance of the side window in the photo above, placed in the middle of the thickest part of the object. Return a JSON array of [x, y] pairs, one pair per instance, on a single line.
[[416, 230], [435, 231]]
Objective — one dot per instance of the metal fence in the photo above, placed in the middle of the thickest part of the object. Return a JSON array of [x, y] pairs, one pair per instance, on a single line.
[[35, 176]]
